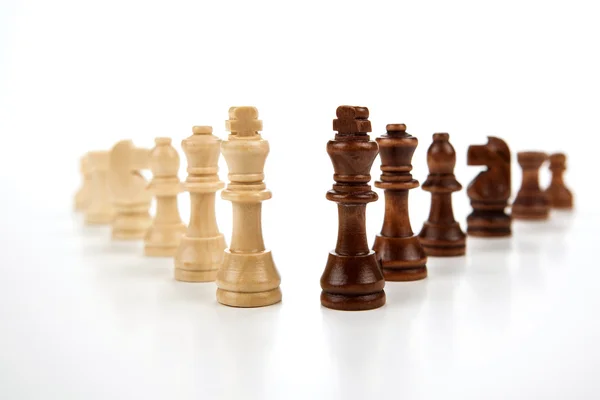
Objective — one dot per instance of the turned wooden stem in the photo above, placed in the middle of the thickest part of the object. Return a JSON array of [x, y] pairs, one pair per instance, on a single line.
[[247, 218], [167, 211], [203, 221], [352, 234], [396, 221], [557, 176], [441, 209], [531, 179]]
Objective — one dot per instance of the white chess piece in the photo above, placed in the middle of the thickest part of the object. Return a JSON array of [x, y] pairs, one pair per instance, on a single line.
[[200, 253], [164, 236], [248, 277], [129, 196]]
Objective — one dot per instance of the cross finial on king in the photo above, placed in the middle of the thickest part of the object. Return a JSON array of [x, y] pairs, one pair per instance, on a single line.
[[243, 121], [352, 119]]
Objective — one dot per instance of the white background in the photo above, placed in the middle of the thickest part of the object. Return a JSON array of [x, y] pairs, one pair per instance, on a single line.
[[86, 318]]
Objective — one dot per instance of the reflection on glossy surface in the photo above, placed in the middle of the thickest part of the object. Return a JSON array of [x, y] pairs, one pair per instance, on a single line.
[[96, 318]]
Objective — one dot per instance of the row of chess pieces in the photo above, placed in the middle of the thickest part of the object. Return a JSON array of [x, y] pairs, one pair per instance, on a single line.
[[114, 192]]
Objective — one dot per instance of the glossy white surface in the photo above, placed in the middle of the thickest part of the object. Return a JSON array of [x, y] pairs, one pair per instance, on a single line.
[[87, 318]]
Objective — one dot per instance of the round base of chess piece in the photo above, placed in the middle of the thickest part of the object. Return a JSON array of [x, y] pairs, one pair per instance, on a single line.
[[407, 259], [365, 292], [405, 275], [128, 234], [531, 212], [131, 222], [489, 223], [186, 275], [565, 205], [131, 231], [353, 303], [442, 241], [444, 249], [163, 240], [249, 300], [199, 259], [489, 233], [248, 280]]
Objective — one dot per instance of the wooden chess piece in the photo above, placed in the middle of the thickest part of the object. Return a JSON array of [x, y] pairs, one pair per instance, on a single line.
[[248, 277], [531, 203], [84, 194], [558, 194], [441, 235], [399, 251], [100, 209], [352, 279], [164, 236], [131, 200], [490, 190], [200, 254]]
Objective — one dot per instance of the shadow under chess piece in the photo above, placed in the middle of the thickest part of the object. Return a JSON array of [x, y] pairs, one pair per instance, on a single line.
[[130, 198], [248, 277], [399, 252], [441, 235], [100, 209], [531, 203], [490, 191], [352, 279], [200, 254], [84, 194], [558, 194], [164, 236]]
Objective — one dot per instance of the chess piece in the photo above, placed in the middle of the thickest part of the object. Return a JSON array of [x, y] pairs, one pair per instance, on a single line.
[[164, 236], [200, 254], [490, 190], [83, 196], [248, 277], [441, 235], [557, 192], [352, 279], [100, 209], [131, 200], [531, 203], [399, 251]]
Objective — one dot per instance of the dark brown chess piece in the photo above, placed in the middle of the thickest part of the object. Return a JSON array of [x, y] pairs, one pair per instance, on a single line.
[[490, 190], [441, 235], [558, 194], [399, 252], [531, 203], [352, 279]]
